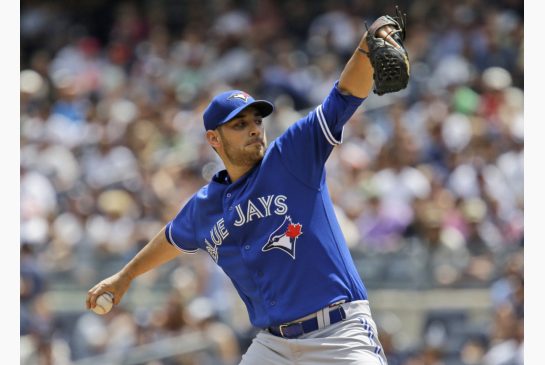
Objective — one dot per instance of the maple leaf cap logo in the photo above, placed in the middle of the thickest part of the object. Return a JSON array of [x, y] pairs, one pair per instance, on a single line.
[[239, 95]]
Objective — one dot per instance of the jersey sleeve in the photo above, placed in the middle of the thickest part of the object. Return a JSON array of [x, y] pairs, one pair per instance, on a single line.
[[180, 231], [306, 144]]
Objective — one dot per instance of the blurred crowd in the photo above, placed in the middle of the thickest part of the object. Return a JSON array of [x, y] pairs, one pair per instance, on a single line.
[[428, 183]]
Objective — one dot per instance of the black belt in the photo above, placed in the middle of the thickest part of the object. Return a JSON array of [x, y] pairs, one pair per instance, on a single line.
[[296, 329]]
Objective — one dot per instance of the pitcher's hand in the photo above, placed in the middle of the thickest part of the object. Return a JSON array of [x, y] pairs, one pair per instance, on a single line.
[[116, 284]]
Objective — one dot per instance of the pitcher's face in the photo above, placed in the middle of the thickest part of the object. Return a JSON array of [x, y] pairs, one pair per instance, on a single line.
[[243, 139]]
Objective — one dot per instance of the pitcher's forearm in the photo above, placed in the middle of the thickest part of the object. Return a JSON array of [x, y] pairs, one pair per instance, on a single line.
[[154, 254], [357, 76], [157, 252]]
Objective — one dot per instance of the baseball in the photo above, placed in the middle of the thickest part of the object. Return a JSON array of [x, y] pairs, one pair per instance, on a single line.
[[104, 303]]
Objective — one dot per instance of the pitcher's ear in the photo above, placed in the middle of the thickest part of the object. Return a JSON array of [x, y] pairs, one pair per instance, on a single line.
[[213, 138]]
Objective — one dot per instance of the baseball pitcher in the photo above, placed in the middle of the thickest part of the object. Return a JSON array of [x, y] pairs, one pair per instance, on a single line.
[[268, 221]]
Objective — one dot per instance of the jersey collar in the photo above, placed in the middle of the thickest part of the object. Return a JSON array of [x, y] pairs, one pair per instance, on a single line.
[[222, 177]]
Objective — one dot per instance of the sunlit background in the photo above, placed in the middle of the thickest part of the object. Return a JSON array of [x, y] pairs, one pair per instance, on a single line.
[[428, 183]]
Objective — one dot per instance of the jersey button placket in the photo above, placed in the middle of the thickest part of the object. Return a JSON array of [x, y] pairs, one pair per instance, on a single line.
[[227, 201]]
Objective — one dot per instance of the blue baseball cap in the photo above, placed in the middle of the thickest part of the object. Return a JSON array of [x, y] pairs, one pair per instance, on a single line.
[[227, 105]]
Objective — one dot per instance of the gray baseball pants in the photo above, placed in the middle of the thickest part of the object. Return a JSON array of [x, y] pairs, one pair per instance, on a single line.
[[352, 341]]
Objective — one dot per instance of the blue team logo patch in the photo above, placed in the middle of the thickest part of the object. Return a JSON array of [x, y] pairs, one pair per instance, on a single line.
[[284, 237], [239, 95]]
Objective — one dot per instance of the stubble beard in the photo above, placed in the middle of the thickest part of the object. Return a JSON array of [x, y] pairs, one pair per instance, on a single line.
[[246, 156]]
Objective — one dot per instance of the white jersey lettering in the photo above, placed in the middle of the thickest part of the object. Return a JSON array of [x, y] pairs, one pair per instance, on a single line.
[[241, 217], [281, 208], [266, 203], [251, 211], [221, 227]]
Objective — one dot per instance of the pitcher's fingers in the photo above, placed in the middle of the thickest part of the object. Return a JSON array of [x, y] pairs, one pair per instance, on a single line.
[[116, 298], [92, 296], [386, 32], [88, 300]]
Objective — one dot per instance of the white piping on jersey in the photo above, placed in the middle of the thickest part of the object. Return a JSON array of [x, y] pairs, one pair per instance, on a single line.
[[325, 128], [174, 243]]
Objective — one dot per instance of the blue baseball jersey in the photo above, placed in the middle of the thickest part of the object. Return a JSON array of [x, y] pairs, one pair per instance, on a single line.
[[274, 231]]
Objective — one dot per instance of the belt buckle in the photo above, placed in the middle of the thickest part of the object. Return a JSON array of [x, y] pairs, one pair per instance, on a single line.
[[281, 329], [282, 326]]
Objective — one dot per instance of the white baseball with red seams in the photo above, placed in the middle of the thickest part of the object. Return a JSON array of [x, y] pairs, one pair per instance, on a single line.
[[104, 303]]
